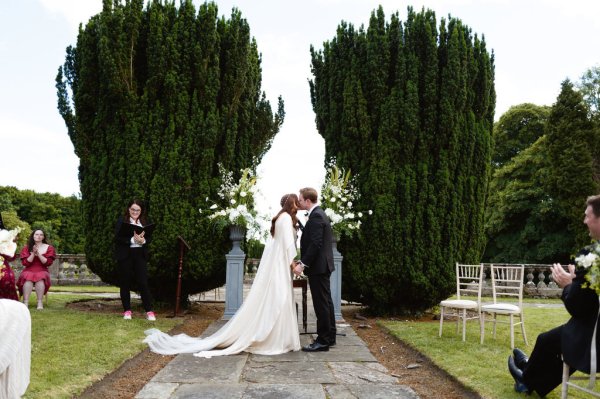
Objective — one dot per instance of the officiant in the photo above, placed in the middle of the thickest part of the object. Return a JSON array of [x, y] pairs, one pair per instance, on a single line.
[[133, 233]]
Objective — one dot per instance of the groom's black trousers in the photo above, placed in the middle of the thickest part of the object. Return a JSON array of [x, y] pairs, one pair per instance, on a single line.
[[320, 290]]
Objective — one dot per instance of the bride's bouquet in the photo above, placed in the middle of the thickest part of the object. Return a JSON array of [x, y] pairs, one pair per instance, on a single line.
[[8, 246], [237, 201], [338, 196]]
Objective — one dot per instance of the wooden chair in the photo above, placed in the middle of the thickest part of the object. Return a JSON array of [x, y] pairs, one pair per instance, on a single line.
[[507, 295], [468, 284]]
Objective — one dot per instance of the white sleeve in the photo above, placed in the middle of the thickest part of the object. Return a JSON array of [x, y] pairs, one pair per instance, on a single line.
[[284, 230]]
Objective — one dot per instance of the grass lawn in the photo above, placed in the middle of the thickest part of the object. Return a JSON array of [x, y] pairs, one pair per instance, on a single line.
[[480, 367], [72, 349], [85, 288]]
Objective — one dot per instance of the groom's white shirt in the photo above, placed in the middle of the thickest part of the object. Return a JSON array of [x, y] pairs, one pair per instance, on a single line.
[[311, 209]]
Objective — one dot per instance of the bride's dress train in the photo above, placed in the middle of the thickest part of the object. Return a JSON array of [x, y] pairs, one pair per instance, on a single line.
[[265, 324]]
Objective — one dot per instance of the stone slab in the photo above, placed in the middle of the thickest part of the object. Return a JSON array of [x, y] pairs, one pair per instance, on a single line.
[[209, 391], [280, 391], [353, 373], [157, 390], [370, 391], [288, 373], [187, 368], [343, 354]]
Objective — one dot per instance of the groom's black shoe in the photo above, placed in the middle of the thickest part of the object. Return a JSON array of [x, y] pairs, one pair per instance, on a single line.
[[517, 375], [316, 347], [521, 358]]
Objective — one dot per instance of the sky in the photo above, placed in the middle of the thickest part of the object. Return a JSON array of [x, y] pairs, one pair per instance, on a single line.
[[537, 44]]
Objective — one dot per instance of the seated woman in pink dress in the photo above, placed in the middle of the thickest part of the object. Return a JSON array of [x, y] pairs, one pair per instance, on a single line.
[[37, 256]]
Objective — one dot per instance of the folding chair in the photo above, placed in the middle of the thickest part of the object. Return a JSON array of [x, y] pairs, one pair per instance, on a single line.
[[468, 283], [507, 294]]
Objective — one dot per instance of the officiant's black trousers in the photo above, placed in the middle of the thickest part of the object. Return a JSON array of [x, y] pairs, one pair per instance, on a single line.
[[134, 268], [320, 290], [544, 369]]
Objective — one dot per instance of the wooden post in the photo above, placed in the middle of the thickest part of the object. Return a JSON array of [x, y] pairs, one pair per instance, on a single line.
[[182, 245]]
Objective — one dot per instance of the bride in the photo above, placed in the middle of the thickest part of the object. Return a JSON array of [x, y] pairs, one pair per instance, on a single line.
[[266, 322]]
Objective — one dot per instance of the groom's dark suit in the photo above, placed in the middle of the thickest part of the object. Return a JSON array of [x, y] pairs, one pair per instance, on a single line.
[[571, 340], [317, 256]]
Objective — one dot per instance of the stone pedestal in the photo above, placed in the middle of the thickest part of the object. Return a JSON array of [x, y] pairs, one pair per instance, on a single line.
[[234, 280], [336, 281]]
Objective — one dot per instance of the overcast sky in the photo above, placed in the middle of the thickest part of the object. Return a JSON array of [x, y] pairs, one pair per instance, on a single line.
[[537, 44]]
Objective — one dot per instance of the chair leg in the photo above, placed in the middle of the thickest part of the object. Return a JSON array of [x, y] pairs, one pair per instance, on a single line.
[[494, 329], [481, 326], [441, 319], [523, 329], [464, 317], [457, 321], [565, 380], [512, 332]]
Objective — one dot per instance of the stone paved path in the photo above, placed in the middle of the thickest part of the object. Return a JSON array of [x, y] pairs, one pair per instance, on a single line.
[[347, 371]]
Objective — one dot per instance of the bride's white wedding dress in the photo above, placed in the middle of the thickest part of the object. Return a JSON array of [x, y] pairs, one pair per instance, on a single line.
[[265, 324]]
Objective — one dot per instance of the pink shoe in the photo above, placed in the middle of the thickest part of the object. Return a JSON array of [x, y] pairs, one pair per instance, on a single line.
[[150, 316], [127, 315]]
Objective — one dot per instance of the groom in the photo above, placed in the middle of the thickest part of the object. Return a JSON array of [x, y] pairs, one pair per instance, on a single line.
[[317, 263]]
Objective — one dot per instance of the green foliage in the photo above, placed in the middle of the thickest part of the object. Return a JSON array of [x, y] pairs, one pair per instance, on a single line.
[[574, 153], [153, 100], [522, 223], [517, 129], [60, 217], [589, 87], [536, 202], [411, 108]]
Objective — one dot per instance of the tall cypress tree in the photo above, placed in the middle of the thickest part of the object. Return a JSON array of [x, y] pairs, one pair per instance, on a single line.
[[153, 100], [408, 107], [572, 148]]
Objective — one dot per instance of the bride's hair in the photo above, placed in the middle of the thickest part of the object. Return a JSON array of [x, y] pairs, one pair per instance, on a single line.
[[289, 204]]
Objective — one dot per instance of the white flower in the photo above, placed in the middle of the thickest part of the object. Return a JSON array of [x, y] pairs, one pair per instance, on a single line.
[[349, 204], [332, 199], [7, 244], [360, 214], [243, 194], [370, 212], [586, 260], [214, 206], [232, 201]]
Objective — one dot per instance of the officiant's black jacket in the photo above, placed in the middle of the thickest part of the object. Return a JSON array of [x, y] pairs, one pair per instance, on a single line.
[[316, 244], [582, 305], [122, 244]]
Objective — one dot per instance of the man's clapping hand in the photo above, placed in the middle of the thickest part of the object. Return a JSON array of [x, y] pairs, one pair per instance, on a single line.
[[560, 276]]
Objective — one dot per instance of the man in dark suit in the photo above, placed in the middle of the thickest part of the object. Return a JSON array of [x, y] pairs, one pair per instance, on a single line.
[[316, 261], [542, 372]]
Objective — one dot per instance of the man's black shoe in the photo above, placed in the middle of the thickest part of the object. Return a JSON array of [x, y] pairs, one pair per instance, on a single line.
[[316, 347], [517, 375], [521, 358]]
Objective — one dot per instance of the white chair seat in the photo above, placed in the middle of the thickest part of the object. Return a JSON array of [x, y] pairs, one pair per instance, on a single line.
[[501, 308], [459, 303]]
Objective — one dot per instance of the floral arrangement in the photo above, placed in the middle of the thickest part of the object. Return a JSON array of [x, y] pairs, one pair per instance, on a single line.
[[591, 261], [239, 199], [8, 246], [338, 195]]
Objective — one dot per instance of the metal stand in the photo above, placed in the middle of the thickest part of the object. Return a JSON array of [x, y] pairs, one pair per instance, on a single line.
[[182, 245]]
